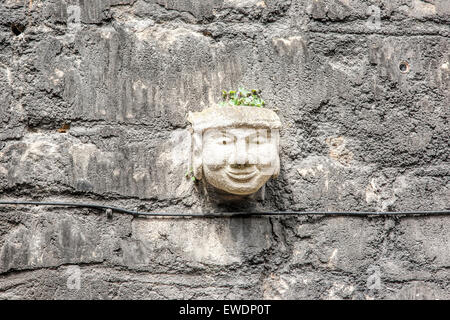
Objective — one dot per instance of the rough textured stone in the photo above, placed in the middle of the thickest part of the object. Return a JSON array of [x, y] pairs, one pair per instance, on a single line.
[[93, 109]]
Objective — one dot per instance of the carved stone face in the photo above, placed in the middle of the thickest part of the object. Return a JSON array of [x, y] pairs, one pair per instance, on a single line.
[[240, 160], [235, 148]]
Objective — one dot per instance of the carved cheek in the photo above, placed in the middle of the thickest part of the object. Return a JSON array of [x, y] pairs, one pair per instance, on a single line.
[[266, 154], [211, 157], [268, 159], [215, 155]]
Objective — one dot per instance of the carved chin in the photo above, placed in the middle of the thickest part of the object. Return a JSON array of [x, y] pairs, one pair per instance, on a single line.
[[240, 182]]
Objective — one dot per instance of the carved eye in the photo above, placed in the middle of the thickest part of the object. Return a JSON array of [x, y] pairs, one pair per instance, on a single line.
[[257, 140], [226, 140], [262, 139]]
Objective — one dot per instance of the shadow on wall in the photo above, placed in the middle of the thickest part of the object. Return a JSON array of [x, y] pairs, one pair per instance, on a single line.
[[205, 241]]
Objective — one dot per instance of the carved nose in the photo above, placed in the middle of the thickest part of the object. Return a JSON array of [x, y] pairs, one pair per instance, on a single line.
[[241, 152]]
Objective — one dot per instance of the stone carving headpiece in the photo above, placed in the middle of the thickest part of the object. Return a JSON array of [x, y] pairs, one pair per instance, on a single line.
[[234, 116], [235, 147]]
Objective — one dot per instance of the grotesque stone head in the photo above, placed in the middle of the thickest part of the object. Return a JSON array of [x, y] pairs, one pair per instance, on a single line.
[[235, 148]]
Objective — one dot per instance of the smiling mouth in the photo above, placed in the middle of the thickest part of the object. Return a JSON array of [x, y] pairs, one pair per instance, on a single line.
[[241, 175]]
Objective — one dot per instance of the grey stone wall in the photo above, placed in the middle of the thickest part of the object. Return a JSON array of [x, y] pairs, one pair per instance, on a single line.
[[94, 110]]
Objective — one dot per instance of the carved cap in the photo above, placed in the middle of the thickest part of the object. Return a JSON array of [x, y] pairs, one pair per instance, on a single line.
[[234, 116]]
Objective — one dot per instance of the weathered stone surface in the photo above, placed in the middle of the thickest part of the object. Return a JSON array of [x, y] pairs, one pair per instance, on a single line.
[[93, 108]]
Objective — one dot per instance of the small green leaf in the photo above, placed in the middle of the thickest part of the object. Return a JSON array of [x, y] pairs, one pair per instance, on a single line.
[[244, 92], [193, 179], [242, 97]]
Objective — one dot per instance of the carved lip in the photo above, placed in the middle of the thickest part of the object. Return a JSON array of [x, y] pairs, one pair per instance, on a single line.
[[241, 175]]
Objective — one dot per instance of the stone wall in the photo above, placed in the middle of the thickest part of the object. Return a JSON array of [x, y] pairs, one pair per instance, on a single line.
[[93, 103]]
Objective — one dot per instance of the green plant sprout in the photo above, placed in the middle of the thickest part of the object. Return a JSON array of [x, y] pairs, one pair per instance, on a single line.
[[242, 97], [190, 174]]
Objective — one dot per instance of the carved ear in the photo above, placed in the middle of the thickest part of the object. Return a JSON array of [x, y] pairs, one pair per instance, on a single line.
[[197, 148], [276, 170], [275, 137], [275, 134]]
